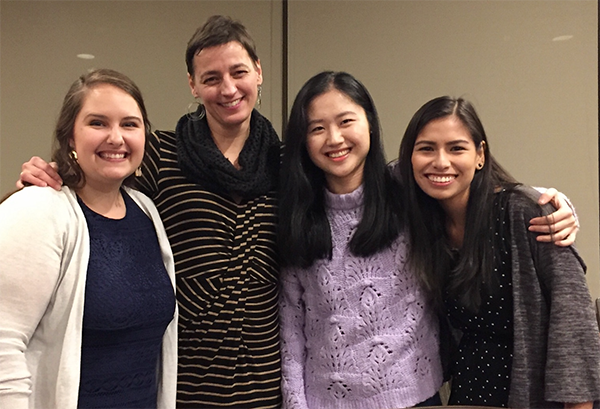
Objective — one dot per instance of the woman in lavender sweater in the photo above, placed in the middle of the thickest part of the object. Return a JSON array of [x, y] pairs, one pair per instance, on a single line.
[[356, 329]]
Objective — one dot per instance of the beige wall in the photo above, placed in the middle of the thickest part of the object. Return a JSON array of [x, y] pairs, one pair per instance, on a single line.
[[538, 98]]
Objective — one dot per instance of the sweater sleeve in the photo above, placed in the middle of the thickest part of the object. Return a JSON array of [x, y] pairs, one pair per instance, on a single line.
[[573, 356], [31, 245], [571, 372], [292, 341]]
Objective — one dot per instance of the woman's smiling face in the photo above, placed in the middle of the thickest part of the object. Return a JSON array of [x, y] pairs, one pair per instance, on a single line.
[[108, 136], [226, 80], [444, 160], [338, 139]]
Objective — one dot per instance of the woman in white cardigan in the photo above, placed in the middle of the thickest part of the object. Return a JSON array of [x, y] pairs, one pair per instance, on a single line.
[[87, 302]]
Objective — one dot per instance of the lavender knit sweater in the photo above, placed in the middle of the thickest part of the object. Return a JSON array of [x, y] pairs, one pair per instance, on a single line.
[[356, 332]]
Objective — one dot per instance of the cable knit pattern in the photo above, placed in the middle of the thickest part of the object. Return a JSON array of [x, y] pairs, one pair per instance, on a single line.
[[355, 331]]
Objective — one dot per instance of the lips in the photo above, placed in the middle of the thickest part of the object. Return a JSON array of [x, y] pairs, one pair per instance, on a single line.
[[113, 155], [338, 154], [441, 178], [232, 103]]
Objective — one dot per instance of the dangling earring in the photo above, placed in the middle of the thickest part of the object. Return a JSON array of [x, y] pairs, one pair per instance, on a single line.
[[73, 155], [138, 172], [198, 113], [259, 100]]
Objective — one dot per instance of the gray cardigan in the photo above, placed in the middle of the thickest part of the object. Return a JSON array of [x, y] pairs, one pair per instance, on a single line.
[[556, 354]]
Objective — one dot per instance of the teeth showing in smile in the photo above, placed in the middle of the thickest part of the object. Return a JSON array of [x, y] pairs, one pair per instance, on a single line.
[[338, 154], [232, 103], [107, 155], [440, 179]]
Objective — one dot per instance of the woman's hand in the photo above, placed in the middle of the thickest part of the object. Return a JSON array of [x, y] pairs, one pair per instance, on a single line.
[[584, 405], [559, 227], [38, 172]]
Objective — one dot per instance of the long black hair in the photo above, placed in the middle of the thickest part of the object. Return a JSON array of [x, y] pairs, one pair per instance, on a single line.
[[304, 234], [430, 253]]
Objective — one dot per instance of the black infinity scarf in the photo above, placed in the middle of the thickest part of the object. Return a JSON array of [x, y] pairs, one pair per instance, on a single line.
[[203, 163]]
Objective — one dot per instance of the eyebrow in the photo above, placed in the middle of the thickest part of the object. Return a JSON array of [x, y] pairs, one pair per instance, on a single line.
[[451, 143], [100, 116], [216, 72], [341, 114]]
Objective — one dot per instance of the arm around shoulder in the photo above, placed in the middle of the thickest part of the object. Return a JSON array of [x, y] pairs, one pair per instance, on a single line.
[[560, 225]]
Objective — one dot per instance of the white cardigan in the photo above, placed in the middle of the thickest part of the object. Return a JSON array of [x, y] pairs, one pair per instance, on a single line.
[[44, 252]]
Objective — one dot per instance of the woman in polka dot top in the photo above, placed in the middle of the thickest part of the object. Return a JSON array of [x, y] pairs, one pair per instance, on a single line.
[[520, 307]]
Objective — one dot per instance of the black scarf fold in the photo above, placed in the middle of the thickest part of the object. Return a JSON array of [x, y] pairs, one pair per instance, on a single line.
[[203, 163]]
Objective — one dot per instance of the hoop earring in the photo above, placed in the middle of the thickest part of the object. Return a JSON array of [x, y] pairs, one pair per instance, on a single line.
[[73, 155], [196, 114], [259, 99], [480, 166]]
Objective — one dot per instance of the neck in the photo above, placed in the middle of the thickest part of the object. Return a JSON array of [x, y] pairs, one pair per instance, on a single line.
[[106, 201], [344, 185], [230, 140], [456, 217]]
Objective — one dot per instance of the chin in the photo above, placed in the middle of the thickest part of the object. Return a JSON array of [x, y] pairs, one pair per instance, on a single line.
[[120, 177], [434, 195]]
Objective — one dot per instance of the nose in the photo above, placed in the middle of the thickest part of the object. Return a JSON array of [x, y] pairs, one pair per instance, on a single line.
[[334, 136], [441, 160], [115, 137], [228, 85]]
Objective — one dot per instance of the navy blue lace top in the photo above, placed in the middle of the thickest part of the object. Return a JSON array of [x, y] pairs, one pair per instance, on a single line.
[[129, 302]]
